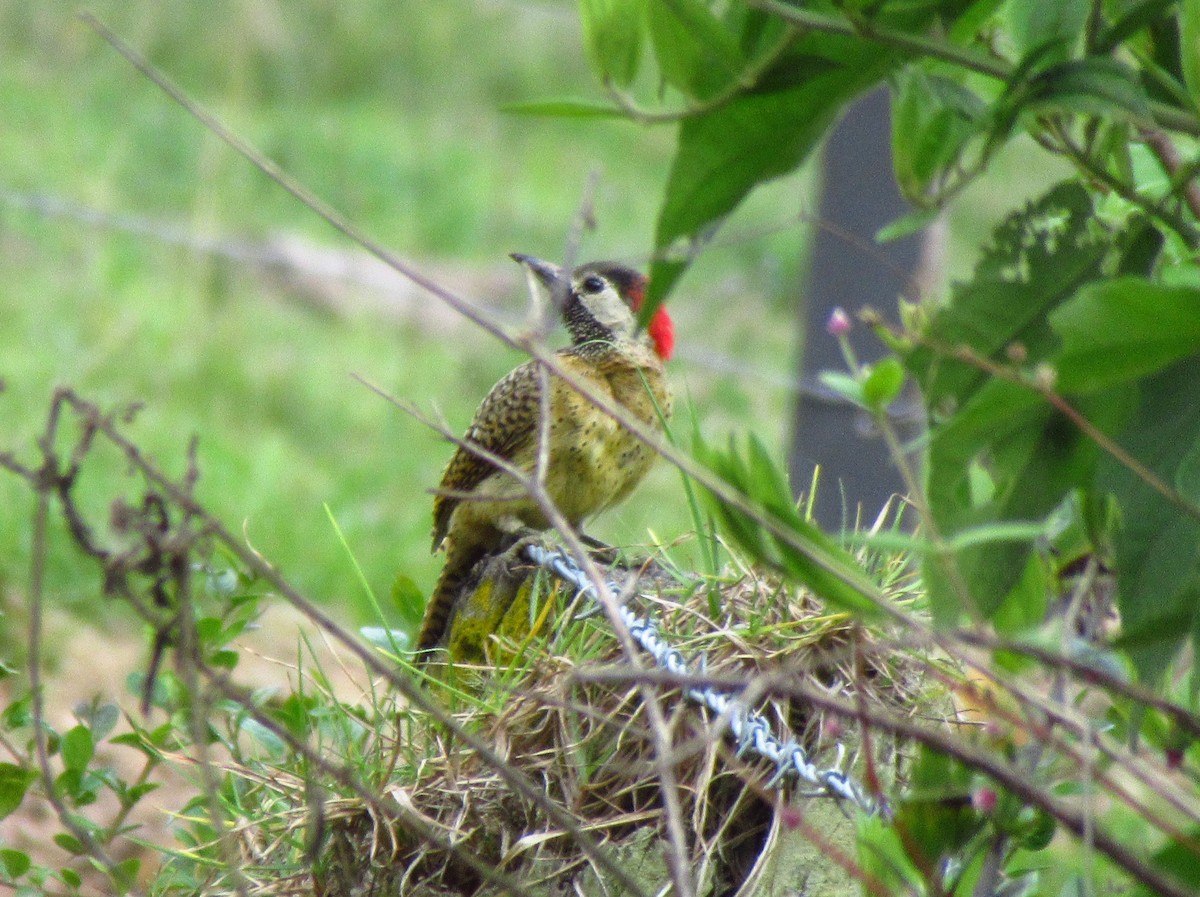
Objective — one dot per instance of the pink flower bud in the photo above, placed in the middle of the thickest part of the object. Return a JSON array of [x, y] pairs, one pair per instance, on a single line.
[[839, 323], [983, 800]]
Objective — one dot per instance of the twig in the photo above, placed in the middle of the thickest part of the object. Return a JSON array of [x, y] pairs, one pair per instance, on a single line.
[[46, 477], [410, 687], [1163, 147], [1102, 439]]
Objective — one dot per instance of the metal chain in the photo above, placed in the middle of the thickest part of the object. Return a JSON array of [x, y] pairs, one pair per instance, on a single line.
[[749, 729]]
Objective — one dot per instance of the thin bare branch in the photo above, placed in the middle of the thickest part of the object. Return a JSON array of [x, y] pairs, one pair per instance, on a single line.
[[47, 477], [407, 685]]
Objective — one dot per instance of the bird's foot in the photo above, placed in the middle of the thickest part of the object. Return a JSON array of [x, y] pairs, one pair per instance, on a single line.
[[516, 541]]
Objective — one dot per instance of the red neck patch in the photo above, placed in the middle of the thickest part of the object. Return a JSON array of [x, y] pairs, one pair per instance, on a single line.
[[662, 331], [662, 328]]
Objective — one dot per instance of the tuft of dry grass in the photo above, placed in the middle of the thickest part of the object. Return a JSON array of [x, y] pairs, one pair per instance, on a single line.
[[587, 739]]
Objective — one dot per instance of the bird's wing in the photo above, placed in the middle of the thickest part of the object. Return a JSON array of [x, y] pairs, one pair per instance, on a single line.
[[504, 424]]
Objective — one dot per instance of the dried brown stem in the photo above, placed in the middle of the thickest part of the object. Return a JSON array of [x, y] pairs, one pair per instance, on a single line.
[[48, 475]]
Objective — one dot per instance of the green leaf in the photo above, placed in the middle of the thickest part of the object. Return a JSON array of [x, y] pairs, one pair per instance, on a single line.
[[967, 20], [1057, 23], [1142, 245], [846, 386], [935, 818], [805, 554], [989, 533], [1157, 544], [725, 152], [297, 711], [564, 107], [1024, 606], [932, 830], [612, 34], [78, 748], [17, 714], [14, 782], [936, 776], [81, 786], [932, 119], [759, 32], [15, 862], [1187, 475], [104, 719], [275, 746], [696, 53], [885, 858], [69, 843], [409, 601], [1127, 19], [209, 629], [225, 659], [1178, 860], [1034, 457], [909, 223], [1189, 47], [1039, 257], [387, 639], [133, 794], [883, 383], [125, 874], [69, 876], [1096, 85], [1123, 329], [1038, 831]]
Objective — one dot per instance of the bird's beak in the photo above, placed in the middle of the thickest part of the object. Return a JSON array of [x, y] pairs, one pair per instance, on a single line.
[[549, 274]]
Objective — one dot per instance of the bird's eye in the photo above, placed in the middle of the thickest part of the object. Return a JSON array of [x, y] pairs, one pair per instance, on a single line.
[[593, 283]]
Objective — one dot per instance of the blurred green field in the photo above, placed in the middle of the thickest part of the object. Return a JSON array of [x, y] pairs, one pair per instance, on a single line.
[[392, 113], [111, 199]]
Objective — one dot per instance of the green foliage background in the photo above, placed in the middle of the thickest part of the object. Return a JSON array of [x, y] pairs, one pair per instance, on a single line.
[[1074, 337]]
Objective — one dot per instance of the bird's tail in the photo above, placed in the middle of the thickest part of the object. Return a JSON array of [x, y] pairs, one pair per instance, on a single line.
[[461, 557]]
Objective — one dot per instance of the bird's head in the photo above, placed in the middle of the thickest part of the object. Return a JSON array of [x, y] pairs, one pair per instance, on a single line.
[[601, 301]]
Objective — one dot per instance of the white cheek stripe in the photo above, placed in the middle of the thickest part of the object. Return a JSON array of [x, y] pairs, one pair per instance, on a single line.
[[608, 309]]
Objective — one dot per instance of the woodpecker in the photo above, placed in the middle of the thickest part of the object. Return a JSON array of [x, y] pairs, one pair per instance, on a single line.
[[591, 461]]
